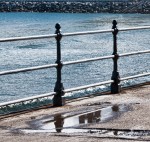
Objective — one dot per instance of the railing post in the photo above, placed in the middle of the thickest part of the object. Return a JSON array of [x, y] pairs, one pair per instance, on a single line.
[[57, 100], [115, 86]]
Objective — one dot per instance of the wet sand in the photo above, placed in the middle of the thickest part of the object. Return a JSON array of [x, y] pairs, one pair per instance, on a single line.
[[28, 127]]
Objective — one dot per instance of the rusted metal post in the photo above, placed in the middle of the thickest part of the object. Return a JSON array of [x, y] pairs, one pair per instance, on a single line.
[[57, 100], [115, 86]]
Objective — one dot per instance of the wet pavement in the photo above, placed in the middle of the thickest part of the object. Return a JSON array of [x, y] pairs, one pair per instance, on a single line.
[[112, 118], [68, 123]]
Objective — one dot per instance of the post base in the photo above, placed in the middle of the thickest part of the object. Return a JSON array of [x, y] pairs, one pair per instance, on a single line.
[[115, 88], [58, 101]]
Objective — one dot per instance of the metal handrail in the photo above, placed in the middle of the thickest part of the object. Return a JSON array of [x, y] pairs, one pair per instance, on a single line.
[[54, 93], [87, 86], [58, 90], [27, 69], [135, 76], [134, 28], [134, 53], [88, 60], [53, 35], [53, 65], [70, 62], [27, 99], [87, 32], [27, 38], [69, 34]]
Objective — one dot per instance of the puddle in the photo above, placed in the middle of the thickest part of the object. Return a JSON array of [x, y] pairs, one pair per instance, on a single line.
[[64, 123], [76, 124]]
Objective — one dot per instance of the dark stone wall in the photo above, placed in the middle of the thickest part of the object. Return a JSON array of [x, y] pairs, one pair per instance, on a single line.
[[76, 7]]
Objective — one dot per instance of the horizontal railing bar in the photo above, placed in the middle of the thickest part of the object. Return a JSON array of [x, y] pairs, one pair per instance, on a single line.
[[135, 76], [53, 35], [88, 60], [27, 69], [27, 99], [69, 62], [87, 32], [68, 34], [52, 65], [134, 53], [87, 86], [27, 38], [134, 28], [105, 31]]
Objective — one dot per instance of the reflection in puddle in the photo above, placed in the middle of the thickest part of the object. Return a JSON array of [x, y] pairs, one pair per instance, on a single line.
[[62, 123], [75, 124]]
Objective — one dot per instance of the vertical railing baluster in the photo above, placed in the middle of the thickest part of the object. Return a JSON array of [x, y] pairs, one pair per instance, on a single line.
[[57, 100], [115, 86]]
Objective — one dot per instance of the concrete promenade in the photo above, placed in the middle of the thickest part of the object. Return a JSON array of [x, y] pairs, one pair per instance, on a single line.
[[108, 118]]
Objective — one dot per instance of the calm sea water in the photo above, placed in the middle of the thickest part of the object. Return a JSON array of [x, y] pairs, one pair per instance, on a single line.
[[20, 54]]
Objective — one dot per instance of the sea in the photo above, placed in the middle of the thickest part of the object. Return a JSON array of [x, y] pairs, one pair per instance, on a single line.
[[21, 54]]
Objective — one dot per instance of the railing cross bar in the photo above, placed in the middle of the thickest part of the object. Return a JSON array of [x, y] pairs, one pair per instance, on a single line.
[[87, 86], [135, 76], [134, 53], [88, 60], [27, 99], [69, 34], [27, 69], [134, 28], [27, 38]]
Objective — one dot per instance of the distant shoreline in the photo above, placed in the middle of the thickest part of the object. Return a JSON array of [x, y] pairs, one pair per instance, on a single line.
[[76, 7]]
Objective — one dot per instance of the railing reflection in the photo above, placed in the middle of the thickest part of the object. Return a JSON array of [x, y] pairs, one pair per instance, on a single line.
[[62, 123], [58, 122]]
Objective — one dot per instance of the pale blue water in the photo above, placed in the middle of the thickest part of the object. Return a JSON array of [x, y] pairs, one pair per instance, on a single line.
[[20, 54]]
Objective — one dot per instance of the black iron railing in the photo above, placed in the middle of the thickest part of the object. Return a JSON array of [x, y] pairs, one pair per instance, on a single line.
[[59, 89]]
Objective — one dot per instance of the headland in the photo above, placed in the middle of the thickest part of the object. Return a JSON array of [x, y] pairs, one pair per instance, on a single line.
[[77, 6]]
